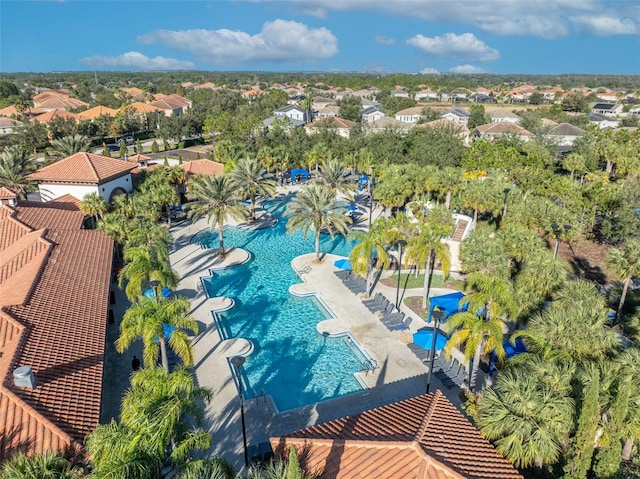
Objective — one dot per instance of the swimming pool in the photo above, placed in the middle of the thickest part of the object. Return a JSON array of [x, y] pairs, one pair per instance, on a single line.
[[291, 362]]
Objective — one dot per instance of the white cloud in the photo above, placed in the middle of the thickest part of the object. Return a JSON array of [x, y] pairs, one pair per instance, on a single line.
[[605, 26], [429, 71], [467, 69], [546, 19], [279, 41], [451, 45], [137, 61], [384, 40]]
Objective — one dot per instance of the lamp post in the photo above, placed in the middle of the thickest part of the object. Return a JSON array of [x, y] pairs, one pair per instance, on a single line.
[[436, 314], [401, 244], [237, 362]]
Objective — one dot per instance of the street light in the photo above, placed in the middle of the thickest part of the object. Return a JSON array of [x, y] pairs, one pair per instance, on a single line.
[[401, 244], [237, 362], [436, 314]]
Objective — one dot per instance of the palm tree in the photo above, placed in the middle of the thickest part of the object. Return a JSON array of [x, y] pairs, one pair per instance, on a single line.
[[333, 175], [165, 196], [370, 250], [148, 319], [94, 205], [154, 430], [217, 198], [625, 263], [216, 468], [527, 421], [38, 466], [249, 176], [280, 468], [427, 245], [68, 145], [315, 208], [15, 167], [142, 267], [145, 233]]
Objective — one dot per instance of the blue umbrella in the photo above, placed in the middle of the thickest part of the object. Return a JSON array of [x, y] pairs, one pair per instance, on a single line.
[[342, 264], [150, 293], [424, 338], [352, 207], [167, 330]]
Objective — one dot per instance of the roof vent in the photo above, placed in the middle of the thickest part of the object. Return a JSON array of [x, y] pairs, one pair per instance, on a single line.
[[23, 377]]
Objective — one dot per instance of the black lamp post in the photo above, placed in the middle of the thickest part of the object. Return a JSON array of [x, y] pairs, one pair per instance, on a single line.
[[237, 362], [401, 244], [436, 315]]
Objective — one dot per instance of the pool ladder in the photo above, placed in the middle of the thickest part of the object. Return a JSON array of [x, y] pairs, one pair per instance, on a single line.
[[369, 365], [304, 270]]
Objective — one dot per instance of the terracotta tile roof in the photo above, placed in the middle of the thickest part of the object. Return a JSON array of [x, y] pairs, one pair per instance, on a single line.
[[66, 201], [64, 215], [207, 85], [6, 193], [53, 114], [503, 127], [133, 92], [138, 158], [140, 107], [420, 438], [60, 330], [202, 167], [12, 111], [97, 111], [171, 102], [47, 95], [8, 123], [83, 168], [60, 103]]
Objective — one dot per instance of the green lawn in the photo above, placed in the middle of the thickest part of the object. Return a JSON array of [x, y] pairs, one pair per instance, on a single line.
[[437, 281]]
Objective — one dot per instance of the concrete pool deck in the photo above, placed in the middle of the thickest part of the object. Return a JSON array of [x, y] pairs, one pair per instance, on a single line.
[[399, 375]]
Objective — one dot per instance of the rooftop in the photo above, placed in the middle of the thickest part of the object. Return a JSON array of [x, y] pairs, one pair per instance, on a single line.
[[83, 168]]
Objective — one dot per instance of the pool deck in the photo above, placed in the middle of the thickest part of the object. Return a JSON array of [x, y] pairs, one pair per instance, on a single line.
[[400, 374]]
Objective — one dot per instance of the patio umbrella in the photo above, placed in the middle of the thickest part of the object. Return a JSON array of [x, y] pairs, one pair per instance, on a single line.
[[342, 264], [352, 208], [150, 293], [424, 338]]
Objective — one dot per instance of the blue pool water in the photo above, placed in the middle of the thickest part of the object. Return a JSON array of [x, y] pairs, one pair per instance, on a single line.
[[291, 361]]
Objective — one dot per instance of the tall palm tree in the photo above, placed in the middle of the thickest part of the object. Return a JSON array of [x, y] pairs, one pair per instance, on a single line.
[[216, 468], [526, 420], [15, 167], [333, 175], [165, 196], [315, 208], [94, 205], [148, 319], [48, 465], [142, 267], [370, 252], [145, 233], [427, 245], [68, 145], [253, 180], [625, 262], [217, 198]]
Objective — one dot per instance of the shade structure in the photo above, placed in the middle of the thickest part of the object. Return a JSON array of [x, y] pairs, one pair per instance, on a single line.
[[510, 350], [150, 293], [424, 339], [448, 304], [342, 264]]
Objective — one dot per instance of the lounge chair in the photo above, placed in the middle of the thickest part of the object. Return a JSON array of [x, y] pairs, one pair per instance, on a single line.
[[376, 300], [422, 354], [404, 325], [456, 380], [375, 307], [393, 318], [451, 367]]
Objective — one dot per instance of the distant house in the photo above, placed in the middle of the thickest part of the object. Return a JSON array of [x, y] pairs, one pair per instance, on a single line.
[[603, 121], [565, 134], [372, 113], [457, 115], [51, 115], [134, 93], [60, 103], [426, 95], [607, 109], [95, 112], [400, 93], [172, 105], [500, 115], [144, 108], [424, 437], [293, 112], [442, 124], [494, 130], [283, 120], [410, 115], [482, 98], [386, 123], [366, 103], [11, 110], [341, 126], [322, 102], [327, 112], [9, 126], [84, 173]]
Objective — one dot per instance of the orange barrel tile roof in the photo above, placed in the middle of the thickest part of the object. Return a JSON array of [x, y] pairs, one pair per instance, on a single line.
[[85, 168]]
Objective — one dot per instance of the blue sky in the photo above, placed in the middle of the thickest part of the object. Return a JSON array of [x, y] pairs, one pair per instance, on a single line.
[[410, 36]]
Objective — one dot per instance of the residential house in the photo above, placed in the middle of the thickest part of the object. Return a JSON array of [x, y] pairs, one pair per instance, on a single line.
[[49, 116], [327, 112], [366, 103], [284, 121], [443, 124], [364, 93], [386, 123], [457, 115], [136, 94], [399, 92], [424, 437], [322, 102], [607, 96], [493, 130], [84, 173], [501, 115], [371, 113], [457, 95], [340, 94], [564, 134], [603, 121], [481, 98], [95, 112], [12, 111], [426, 95], [410, 115], [9, 126], [205, 86], [607, 109], [340, 126], [172, 105], [8, 197], [293, 112], [53, 316], [253, 92], [60, 103]]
